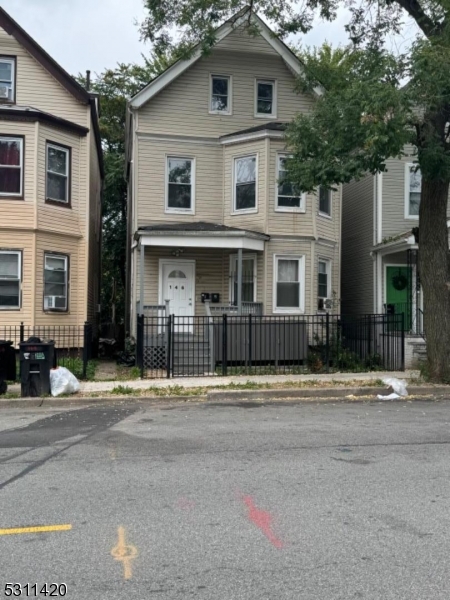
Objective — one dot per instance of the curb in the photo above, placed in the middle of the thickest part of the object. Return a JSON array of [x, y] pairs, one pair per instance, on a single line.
[[342, 394]]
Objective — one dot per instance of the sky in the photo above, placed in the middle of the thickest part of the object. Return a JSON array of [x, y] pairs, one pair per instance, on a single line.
[[98, 34]]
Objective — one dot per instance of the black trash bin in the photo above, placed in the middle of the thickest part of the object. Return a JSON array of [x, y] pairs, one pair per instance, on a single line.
[[7, 364], [36, 360]]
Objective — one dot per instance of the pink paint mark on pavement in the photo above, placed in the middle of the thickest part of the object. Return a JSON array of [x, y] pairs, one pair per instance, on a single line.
[[185, 504], [262, 520]]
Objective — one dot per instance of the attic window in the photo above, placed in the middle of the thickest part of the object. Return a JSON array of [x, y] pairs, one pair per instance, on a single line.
[[7, 79], [220, 94], [265, 99]]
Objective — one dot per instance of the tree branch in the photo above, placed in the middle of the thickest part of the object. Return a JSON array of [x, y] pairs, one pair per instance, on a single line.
[[427, 25]]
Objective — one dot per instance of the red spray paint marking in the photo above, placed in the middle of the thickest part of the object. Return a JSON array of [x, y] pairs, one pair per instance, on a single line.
[[262, 520]]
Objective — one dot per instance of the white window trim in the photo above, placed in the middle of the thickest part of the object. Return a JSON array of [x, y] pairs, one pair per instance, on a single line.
[[180, 211], [324, 214], [230, 95], [328, 263], [407, 191], [301, 271], [233, 262], [67, 174], [66, 270], [244, 211], [12, 194], [19, 253], [302, 207], [273, 114], [12, 61]]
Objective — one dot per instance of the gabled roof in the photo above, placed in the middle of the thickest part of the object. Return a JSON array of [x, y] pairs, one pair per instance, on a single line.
[[179, 67], [72, 86], [61, 75]]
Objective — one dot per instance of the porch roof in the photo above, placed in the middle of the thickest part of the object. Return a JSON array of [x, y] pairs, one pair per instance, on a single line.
[[201, 234]]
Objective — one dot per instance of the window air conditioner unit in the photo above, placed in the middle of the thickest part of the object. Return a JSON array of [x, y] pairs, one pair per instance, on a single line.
[[325, 304], [50, 301], [4, 92]]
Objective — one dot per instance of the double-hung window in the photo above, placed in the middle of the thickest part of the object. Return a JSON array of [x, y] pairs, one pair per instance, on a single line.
[[7, 78], [289, 283], [180, 185], [58, 174], [325, 201], [288, 197], [413, 191], [11, 167], [10, 276], [56, 279], [265, 98], [248, 278], [245, 168], [323, 283], [220, 94]]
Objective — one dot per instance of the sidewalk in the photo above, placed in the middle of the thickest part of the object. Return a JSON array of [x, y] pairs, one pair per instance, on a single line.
[[87, 387]]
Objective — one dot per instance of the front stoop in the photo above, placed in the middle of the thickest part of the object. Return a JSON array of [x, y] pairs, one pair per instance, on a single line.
[[415, 351]]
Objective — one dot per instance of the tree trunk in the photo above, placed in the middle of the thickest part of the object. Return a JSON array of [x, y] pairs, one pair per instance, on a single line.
[[434, 267]]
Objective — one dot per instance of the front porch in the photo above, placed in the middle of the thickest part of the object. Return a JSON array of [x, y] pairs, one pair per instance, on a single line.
[[181, 268]]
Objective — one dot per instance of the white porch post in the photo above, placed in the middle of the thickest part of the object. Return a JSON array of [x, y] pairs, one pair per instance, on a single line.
[[141, 277], [239, 282]]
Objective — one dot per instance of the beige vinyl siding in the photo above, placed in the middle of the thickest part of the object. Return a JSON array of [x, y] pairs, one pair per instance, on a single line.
[[182, 108], [49, 242], [151, 184], [93, 291], [23, 241], [357, 240], [240, 41], [289, 247], [37, 88], [288, 223], [328, 227], [62, 218], [253, 221]]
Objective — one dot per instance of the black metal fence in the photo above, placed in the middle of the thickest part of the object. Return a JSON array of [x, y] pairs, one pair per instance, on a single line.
[[260, 345], [73, 343]]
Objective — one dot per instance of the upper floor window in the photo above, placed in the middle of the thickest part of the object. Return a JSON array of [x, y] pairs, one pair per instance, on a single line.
[[245, 183], [11, 166], [323, 283], [325, 201], [265, 98], [58, 174], [220, 94], [413, 191], [56, 278], [288, 197], [289, 283], [10, 276], [180, 184], [7, 79]]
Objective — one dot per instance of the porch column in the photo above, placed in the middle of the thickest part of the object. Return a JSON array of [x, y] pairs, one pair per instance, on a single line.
[[239, 282], [141, 277]]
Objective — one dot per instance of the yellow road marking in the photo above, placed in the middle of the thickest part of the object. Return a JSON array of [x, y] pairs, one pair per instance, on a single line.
[[43, 529], [124, 553]]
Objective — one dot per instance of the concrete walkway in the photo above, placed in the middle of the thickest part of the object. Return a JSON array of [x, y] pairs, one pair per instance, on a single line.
[[214, 382]]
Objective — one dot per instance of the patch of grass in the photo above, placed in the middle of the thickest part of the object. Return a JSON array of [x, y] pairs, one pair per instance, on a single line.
[[75, 366], [10, 396], [123, 390], [128, 373]]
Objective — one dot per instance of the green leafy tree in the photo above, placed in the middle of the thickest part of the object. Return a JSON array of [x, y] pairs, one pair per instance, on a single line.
[[371, 106], [114, 87]]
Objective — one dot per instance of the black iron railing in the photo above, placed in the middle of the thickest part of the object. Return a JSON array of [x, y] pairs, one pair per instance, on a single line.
[[251, 344]]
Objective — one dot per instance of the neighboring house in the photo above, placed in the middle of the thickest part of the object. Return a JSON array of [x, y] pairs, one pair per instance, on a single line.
[[208, 211], [51, 175], [380, 247]]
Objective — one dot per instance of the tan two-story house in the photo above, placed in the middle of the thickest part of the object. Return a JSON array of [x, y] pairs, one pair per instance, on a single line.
[[51, 175], [211, 214]]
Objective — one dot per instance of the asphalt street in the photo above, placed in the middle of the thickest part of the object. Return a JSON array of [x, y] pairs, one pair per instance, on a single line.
[[227, 502]]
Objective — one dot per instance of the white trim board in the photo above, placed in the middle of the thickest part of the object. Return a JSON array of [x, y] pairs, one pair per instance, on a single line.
[[178, 68], [204, 241]]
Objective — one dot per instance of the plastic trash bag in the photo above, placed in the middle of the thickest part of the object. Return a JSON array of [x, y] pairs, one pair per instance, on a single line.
[[399, 387], [62, 381]]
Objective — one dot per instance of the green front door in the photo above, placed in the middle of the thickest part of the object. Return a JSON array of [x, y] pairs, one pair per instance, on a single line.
[[397, 292]]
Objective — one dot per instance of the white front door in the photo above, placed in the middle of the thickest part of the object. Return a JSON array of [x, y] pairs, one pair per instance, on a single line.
[[178, 278]]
